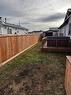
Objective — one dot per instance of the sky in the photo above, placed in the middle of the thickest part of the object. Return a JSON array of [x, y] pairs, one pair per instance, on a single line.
[[35, 14]]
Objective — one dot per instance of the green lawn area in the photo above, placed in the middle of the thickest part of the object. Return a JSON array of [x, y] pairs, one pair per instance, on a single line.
[[32, 56]]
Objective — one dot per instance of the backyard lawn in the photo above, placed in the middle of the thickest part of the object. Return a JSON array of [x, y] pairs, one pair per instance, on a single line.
[[34, 73]]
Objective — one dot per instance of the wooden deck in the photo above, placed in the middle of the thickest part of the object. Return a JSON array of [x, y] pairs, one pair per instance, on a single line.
[[56, 44], [45, 48]]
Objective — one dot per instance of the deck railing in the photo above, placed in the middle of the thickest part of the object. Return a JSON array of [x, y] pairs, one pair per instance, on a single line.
[[11, 45], [56, 41]]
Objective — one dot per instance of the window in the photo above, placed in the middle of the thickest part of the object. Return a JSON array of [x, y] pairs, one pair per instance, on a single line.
[[69, 29], [4, 27], [17, 31], [9, 31]]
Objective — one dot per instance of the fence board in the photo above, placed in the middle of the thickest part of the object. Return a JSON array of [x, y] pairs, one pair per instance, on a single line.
[[12, 45]]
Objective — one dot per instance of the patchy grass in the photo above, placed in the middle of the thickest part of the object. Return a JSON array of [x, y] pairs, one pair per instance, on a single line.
[[55, 61]]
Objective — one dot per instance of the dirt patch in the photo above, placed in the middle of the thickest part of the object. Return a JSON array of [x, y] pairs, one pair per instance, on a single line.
[[36, 79]]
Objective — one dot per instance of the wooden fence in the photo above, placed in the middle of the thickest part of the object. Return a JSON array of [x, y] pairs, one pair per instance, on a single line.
[[68, 76], [11, 45]]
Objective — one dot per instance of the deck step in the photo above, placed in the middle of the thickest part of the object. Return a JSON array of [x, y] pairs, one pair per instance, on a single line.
[[56, 49]]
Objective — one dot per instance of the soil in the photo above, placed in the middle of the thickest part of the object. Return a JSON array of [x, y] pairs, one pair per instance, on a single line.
[[36, 79]]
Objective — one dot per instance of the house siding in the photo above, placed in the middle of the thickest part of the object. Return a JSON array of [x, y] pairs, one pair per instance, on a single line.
[[14, 30], [68, 27], [8, 28], [65, 29], [0, 30]]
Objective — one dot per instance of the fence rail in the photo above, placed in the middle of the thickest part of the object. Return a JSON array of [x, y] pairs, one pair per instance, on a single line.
[[10, 45]]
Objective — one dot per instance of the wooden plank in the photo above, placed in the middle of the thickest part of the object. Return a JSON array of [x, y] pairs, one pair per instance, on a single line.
[[12, 45], [17, 55]]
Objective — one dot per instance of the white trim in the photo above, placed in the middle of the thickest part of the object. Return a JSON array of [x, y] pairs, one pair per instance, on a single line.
[[1, 64]]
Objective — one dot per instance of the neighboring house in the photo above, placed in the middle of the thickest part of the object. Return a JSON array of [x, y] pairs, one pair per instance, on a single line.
[[54, 31], [51, 32], [47, 33], [65, 28], [7, 28], [37, 31]]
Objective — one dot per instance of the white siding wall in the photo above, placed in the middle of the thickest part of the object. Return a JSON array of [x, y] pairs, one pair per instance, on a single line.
[[0, 30], [19, 31], [61, 32], [4, 31], [14, 30], [68, 27], [65, 29]]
